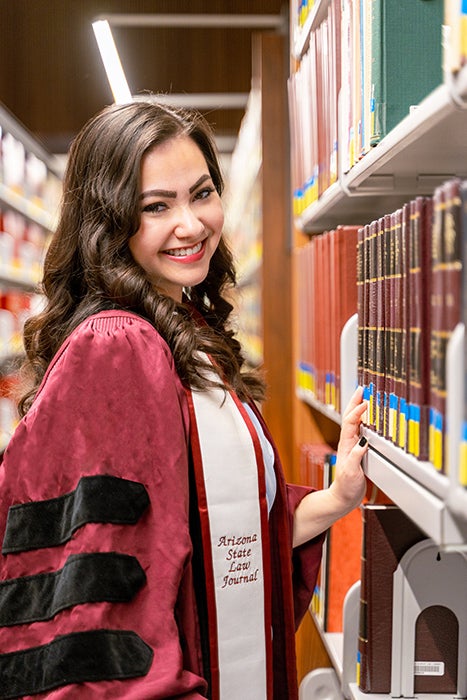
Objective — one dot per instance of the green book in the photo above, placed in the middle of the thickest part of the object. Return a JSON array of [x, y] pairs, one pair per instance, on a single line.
[[406, 59]]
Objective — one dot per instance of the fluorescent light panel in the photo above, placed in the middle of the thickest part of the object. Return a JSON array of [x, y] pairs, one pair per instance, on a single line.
[[111, 61]]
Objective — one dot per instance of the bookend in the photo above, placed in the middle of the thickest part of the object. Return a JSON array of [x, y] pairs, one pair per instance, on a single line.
[[349, 350], [350, 625], [456, 499], [320, 684], [426, 578]]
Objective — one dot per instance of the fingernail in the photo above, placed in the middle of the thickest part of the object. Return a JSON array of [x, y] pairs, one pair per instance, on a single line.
[[362, 442]]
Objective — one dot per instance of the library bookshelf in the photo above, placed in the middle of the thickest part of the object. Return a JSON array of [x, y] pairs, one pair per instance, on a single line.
[[427, 147], [30, 186]]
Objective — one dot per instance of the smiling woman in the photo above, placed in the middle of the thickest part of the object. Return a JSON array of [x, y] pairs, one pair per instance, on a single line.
[[147, 530]]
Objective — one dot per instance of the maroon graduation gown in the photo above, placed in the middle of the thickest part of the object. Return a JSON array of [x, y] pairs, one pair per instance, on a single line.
[[97, 593]]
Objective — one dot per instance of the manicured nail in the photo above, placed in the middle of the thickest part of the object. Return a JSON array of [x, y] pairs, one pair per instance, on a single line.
[[362, 442]]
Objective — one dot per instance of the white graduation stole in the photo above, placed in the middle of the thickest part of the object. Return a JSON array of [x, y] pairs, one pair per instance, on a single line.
[[229, 475]]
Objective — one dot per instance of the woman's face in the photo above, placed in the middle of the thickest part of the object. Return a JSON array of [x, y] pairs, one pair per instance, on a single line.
[[181, 217]]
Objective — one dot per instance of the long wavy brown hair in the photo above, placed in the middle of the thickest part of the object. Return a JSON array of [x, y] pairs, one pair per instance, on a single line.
[[89, 267]]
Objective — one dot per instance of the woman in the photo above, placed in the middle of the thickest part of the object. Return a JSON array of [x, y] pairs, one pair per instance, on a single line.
[[150, 548]]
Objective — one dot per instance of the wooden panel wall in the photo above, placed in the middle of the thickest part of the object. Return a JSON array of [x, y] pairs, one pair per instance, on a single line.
[[269, 63], [51, 74]]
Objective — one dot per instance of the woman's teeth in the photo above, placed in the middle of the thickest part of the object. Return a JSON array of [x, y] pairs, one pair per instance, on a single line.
[[184, 252]]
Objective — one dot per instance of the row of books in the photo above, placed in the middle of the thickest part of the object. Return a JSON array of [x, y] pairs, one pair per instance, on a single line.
[[327, 298], [365, 69], [409, 278], [313, 91], [403, 277], [301, 11], [367, 545], [454, 27]]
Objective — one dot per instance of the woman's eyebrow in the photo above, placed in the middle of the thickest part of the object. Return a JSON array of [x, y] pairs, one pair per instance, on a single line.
[[171, 194], [158, 193], [199, 182]]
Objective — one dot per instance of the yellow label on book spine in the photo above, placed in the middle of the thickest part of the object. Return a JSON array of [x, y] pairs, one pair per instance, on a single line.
[[414, 438], [463, 464]]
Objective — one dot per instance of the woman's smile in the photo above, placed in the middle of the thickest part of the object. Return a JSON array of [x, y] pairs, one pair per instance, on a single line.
[[187, 254]]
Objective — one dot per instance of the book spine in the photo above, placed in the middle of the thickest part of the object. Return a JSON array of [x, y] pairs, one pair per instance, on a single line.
[[363, 649], [372, 322], [380, 329], [403, 416], [361, 307], [437, 402], [452, 286], [419, 291], [377, 111], [348, 291], [396, 327]]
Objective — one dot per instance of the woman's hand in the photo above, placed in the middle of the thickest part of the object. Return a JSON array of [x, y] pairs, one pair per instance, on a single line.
[[349, 484], [320, 509]]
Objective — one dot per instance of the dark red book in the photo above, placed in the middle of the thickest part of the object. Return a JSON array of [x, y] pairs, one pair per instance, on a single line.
[[383, 295], [347, 304], [446, 271], [361, 308], [372, 338], [402, 381], [419, 320], [387, 534]]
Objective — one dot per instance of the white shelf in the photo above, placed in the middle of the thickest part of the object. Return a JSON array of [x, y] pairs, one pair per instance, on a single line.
[[309, 398], [14, 277], [410, 160], [422, 505], [434, 501], [31, 211], [357, 694]]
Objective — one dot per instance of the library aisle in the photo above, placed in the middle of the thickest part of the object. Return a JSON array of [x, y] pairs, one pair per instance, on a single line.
[[346, 207]]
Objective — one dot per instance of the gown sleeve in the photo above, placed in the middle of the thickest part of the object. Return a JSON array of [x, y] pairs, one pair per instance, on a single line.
[[306, 558], [96, 596]]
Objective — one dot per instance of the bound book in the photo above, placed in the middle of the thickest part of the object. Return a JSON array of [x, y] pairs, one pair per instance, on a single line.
[[406, 60], [344, 274], [446, 275], [419, 320], [387, 534]]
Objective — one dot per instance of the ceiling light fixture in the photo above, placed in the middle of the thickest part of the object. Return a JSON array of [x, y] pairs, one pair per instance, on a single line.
[[111, 61]]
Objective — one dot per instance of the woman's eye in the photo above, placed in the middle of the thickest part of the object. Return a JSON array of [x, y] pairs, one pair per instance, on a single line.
[[204, 193], [154, 207]]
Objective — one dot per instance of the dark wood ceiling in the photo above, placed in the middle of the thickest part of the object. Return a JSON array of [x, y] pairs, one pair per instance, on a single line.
[[53, 80]]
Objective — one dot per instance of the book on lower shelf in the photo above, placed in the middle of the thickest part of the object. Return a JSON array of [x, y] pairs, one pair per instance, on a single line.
[[387, 534]]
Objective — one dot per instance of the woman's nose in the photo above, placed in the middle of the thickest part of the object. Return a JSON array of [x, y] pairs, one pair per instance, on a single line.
[[187, 223]]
